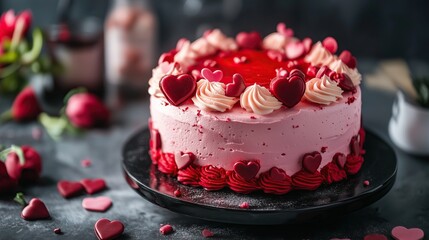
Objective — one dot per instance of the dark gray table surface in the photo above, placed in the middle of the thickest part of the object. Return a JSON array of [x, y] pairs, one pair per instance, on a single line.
[[406, 204]]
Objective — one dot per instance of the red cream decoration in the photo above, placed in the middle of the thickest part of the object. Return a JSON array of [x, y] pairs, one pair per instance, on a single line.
[[166, 164], [235, 88], [275, 181], [240, 185], [249, 40], [177, 89], [247, 169], [189, 176], [332, 173], [353, 164], [212, 178], [304, 180], [289, 90]]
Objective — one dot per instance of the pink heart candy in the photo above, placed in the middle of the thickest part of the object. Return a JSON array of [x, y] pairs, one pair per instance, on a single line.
[[215, 76], [183, 159], [294, 50], [403, 233], [106, 229], [35, 210], [98, 204], [93, 185], [311, 161], [247, 170], [330, 44], [237, 86], [282, 29]]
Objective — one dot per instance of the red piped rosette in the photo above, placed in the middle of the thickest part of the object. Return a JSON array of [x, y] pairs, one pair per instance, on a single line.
[[275, 181], [238, 184], [332, 173], [190, 175], [167, 165], [212, 178], [304, 180]]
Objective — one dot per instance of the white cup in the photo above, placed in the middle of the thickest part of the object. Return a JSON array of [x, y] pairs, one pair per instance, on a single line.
[[409, 125]]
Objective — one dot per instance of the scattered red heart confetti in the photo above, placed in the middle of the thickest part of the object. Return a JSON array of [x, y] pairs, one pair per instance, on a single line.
[[58, 231], [330, 44], [86, 163], [177, 193], [247, 170], [177, 89], [207, 233], [106, 229], [98, 204], [375, 236], [237, 86], [366, 183], [166, 229], [93, 185], [311, 161], [244, 205], [403, 233], [69, 189], [35, 210], [215, 76]]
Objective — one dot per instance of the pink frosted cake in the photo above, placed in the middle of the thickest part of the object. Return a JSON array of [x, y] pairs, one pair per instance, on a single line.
[[251, 114]]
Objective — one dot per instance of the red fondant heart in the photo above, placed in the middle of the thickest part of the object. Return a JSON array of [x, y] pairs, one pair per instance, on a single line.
[[177, 89], [347, 58], [215, 76], [156, 138], [307, 44], [106, 229], [247, 170], [251, 40], [35, 210], [277, 174], [98, 204], [340, 159], [343, 80], [294, 50], [183, 159], [311, 161], [93, 185], [235, 88], [288, 90], [375, 236], [402, 233], [69, 189], [330, 44], [355, 145]]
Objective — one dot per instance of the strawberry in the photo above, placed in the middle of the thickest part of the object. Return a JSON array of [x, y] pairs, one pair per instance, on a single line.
[[22, 163], [85, 110], [24, 108], [6, 183]]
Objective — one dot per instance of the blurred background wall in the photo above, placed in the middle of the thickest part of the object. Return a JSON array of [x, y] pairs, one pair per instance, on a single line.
[[369, 28]]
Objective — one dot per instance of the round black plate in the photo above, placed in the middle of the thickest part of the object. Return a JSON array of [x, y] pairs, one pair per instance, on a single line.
[[379, 169]]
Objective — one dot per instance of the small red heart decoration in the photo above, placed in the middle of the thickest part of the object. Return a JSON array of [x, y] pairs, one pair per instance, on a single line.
[[98, 204], [93, 185], [250, 40], [288, 90], [247, 169], [403, 233], [340, 159], [177, 89], [235, 88], [215, 76], [106, 229], [277, 174], [294, 50], [311, 161], [355, 145], [69, 189], [35, 210], [330, 44], [183, 159], [207, 233], [375, 236], [347, 58]]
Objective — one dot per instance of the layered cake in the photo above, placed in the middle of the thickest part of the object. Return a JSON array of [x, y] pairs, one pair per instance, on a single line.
[[248, 113]]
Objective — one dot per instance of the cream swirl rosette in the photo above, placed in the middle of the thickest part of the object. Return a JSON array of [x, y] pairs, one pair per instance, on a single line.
[[319, 56], [322, 91], [340, 67], [210, 96], [259, 100]]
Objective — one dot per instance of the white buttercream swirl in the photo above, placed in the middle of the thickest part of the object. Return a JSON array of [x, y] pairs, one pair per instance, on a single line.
[[203, 48], [210, 96], [186, 56], [340, 67], [259, 100], [322, 91], [157, 74], [276, 41], [319, 56], [219, 40]]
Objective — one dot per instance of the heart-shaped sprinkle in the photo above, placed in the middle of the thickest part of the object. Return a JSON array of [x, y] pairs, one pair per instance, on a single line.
[[307, 44], [403, 233], [282, 29], [156, 138], [207, 233], [98, 204], [375, 236], [58, 231], [294, 50], [177, 89], [215, 76], [69, 189], [288, 90], [355, 145], [93, 185], [35, 210], [244, 205], [311, 161], [183, 159], [277, 174], [251, 40], [166, 229], [347, 58], [106, 229], [366, 183], [247, 169], [330, 44], [237, 86], [239, 60], [340, 159]]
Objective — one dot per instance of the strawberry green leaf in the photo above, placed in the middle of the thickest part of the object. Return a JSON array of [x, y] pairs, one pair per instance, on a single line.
[[19, 198]]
